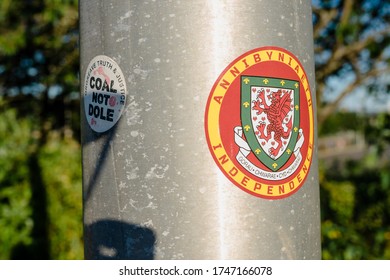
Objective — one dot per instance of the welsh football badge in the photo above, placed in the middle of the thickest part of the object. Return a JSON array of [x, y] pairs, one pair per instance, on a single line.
[[259, 123]]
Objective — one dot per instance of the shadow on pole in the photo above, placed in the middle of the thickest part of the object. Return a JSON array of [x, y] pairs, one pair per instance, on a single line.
[[115, 240]]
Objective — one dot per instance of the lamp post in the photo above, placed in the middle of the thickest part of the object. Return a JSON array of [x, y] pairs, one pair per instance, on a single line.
[[199, 130]]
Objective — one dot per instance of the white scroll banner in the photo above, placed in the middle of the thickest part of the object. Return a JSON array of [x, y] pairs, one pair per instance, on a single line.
[[258, 172]]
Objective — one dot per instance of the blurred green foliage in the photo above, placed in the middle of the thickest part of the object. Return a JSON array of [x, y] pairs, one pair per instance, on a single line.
[[59, 165], [351, 40], [60, 160], [40, 157], [15, 193], [355, 195]]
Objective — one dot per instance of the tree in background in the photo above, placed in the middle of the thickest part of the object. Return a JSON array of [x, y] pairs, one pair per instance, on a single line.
[[39, 61], [40, 177], [40, 170], [352, 49]]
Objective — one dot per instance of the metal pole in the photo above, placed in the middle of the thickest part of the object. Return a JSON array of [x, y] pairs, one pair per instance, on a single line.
[[199, 130]]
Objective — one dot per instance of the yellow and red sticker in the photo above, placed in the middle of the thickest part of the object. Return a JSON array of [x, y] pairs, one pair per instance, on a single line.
[[259, 123]]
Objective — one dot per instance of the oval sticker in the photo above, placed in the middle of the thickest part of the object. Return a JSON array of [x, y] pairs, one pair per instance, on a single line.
[[104, 93], [259, 123]]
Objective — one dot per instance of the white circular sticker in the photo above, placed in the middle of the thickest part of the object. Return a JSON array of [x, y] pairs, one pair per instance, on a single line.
[[104, 93]]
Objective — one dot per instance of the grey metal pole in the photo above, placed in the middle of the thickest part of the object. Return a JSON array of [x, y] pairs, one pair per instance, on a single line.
[[199, 130]]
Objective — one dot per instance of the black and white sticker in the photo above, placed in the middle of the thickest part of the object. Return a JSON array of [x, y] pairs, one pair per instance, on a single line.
[[104, 93]]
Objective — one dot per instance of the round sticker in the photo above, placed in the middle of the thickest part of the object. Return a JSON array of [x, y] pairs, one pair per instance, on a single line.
[[259, 123], [104, 93]]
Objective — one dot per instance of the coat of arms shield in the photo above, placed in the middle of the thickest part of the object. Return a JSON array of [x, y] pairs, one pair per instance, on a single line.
[[270, 118]]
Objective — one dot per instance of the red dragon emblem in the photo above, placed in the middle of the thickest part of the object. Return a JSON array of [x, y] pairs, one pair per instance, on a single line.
[[280, 104]]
